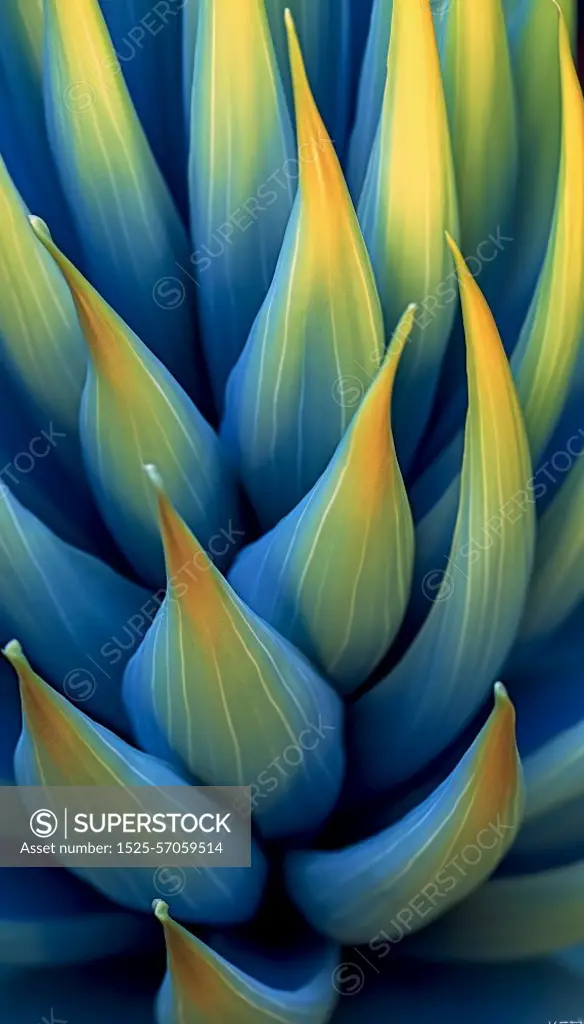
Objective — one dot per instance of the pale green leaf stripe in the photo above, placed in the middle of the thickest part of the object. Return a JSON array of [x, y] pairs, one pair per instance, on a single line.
[[407, 203], [481, 106], [334, 575], [39, 334], [533, 37], [547, 349], [132, 238], [319, 329], [406, 873], [441, 681], [225, 694]]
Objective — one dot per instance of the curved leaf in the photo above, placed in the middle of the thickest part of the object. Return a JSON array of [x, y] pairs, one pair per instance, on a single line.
[[241, 172], [557, 586], [334, 575], [546, 352], [553, 829], [40, 337], [512, 919], [201, 986], [533, 29], [134, 411], [543, 363], [444, 677], [50, 918], [190, 20], [410, 873], [42, 371], [60, 746], [328, 36], [147, 39], [481, 106], [219, 688], [77, 618], [131, 236], [408, 202], [24, 142], [318, 338], [370, 95]]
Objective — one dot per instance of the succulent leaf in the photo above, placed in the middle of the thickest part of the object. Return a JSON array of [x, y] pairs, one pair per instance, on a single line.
[[334, 575], [61, 746], [134, 411], [230, 697], [70, 611], [241, 175], [360, 892], [407, 204], [129, 229], [201, 986], [445, 675], [318, 338]]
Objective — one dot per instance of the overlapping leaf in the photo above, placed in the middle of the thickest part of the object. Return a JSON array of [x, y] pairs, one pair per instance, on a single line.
[[77, 618], [133, 411], [547, 349], [24, 142], [40, 336], [242, 175], [532, 29], [408, 202], [512, 919], [545, 358], [61, 746], [443, 678], [481, 107], [370, 96], [128, 226], [216, 688], [364, 892], [334, 575], [201, 986], [318, 338], [147, 38]]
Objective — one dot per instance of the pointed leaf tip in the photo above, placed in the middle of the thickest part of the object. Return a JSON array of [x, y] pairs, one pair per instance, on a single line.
[[431, 691], [12, 651], [40, 227], [407, 201], [161, 910], [319, 330], [334, 575], [134, 412], [350, 894], [229, 689], [501, 695]]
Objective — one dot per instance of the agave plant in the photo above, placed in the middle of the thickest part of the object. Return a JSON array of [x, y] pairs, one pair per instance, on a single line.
[[291, 312]]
